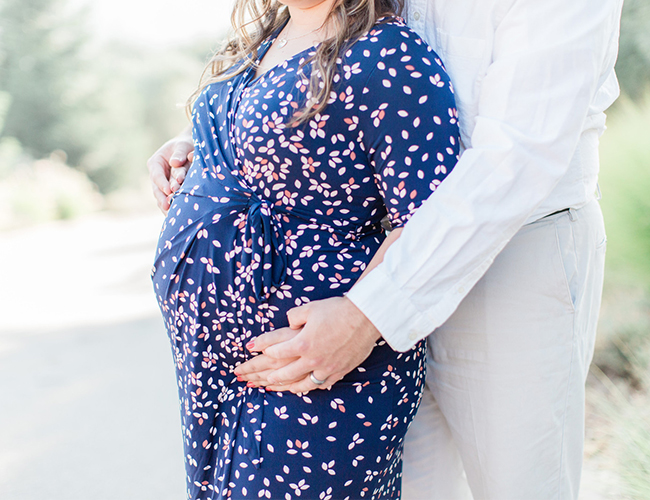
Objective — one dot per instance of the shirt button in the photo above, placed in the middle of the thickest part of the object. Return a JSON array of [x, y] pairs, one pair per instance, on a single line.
[[416, 16], [413, 335], [461, 290]]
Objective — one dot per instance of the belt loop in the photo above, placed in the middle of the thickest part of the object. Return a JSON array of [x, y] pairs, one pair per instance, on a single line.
[[572, 215]]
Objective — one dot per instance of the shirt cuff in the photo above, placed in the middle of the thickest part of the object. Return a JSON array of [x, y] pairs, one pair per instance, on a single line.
[[390, 310]]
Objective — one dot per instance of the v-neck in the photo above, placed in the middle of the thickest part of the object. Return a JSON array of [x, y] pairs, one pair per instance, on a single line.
[[251, 79]]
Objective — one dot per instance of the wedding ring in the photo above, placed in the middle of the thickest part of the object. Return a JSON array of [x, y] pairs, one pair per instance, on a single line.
[[315, 380]]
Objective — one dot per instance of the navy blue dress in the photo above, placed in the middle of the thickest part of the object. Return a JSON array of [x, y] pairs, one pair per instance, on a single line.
[[271, 217]]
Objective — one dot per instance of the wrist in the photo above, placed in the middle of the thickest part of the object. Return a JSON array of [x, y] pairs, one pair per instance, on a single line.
[[360, 321]]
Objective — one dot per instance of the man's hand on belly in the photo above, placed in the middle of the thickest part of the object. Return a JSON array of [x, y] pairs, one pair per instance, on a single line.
[[327, 338]]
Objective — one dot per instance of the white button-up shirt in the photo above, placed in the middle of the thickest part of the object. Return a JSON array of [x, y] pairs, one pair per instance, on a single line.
[[532, 79]]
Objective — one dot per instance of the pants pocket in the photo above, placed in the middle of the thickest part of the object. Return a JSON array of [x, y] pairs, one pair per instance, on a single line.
[[567, 253]]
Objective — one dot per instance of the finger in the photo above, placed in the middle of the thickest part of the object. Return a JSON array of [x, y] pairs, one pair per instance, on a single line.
[[259, 364], [266, 340], [295, 346], [159, 173], [297, 370], [180, 173], [276, 388], [162, 200], [306, 384], [177, 177], [180, 155], [190, 156], [258, 379], [263, 380], [302, 387], [298, 316]]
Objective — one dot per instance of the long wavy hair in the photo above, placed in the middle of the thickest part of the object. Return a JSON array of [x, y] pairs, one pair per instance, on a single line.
[[254, 21]]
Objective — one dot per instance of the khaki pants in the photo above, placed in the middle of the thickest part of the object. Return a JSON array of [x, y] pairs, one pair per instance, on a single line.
[[503, 411]]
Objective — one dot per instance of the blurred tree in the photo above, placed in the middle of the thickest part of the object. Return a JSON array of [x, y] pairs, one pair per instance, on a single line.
[[108, 106], [633, 66], [39, 64]]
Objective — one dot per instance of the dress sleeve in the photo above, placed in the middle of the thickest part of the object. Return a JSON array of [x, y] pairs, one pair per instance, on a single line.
[[408, 125]]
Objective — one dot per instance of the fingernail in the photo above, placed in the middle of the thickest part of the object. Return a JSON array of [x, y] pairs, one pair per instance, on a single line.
[[250, 384], [240, 378], [250, 345]]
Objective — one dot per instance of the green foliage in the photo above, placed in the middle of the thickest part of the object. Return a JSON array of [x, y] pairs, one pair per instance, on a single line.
[[635, 460], [625, 184], [622, 355], [621, 399], [43, 191], [140, 104], [107, 106], [39, 65], [633, 66]]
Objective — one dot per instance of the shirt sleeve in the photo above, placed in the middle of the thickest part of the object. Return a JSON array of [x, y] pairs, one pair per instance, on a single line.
[[549, 59], [408, 126]]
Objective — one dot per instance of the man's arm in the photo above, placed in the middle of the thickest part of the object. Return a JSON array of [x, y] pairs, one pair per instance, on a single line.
[[168, 165], [532, 107], [533, 103]]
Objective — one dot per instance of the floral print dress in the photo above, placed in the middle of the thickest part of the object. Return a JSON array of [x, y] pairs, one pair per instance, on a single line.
[[271, 217]]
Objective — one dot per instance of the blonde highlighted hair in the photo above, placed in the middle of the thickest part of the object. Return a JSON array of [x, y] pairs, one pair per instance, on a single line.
[[254, 21]]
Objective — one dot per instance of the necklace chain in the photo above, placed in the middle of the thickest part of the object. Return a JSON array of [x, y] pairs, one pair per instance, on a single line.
[[283, 41]]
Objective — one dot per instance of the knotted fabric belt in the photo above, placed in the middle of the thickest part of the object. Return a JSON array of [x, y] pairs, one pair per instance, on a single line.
[[264, 248]]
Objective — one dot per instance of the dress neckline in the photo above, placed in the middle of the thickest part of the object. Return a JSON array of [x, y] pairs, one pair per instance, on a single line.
[[251, 78]]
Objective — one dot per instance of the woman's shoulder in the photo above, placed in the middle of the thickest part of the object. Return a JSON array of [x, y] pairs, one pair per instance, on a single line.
[[392, 40], [391, 33], [390, 54]]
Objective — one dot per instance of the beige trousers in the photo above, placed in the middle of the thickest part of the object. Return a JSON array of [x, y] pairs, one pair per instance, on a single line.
[[503, 412]]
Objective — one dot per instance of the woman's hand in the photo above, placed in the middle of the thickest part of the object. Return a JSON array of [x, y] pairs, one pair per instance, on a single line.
[[256, 371], [328, 338], [168, 166]]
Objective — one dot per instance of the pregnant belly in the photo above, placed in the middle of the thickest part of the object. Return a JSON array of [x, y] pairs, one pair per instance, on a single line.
[[246, 253]]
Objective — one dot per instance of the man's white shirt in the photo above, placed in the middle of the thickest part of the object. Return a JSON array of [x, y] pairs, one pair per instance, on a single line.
[[532, 81]]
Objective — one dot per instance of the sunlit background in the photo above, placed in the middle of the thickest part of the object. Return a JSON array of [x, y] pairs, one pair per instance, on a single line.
[[89, 89]]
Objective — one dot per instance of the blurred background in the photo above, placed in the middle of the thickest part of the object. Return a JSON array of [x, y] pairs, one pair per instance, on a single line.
[[89, 89]]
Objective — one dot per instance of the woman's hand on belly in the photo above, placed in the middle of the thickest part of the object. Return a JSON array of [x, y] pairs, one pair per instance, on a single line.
[[256, 371]]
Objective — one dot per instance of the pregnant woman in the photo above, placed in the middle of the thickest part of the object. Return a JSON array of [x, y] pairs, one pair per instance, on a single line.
[[309, 129]]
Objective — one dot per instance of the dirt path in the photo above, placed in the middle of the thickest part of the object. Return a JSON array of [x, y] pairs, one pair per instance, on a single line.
[[88, 395]]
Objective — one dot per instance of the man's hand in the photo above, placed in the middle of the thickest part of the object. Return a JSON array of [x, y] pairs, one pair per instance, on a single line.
[[335, 338], [168, 166]]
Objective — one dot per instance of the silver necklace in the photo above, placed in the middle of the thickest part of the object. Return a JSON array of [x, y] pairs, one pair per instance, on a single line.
[[283, 41]]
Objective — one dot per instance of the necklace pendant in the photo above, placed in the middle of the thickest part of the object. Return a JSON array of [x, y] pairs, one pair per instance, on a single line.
[[282, 42]]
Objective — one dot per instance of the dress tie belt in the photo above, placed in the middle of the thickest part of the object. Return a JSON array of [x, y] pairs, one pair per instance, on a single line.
[[263, 255], [264, 248]]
